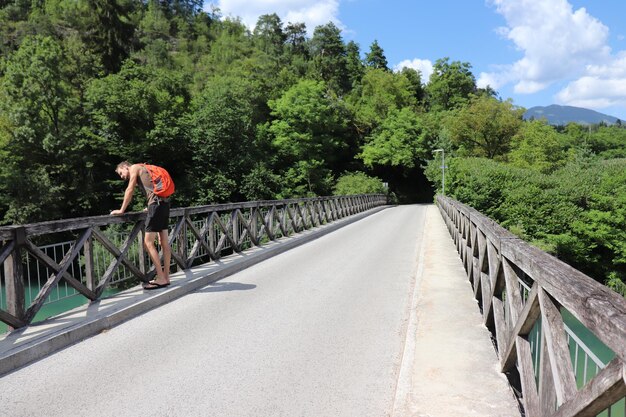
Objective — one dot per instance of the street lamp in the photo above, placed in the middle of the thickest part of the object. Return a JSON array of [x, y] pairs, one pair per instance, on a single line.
[[443, 170]]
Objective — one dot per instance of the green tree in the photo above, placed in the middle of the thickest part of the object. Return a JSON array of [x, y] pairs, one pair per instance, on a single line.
[[308, 135], [295, 39], [351, 183], [537, 145], [269, 35], [222, 143], [450, 85], [400, 142], [375, 58], [109, 31], [485, 127], [415, 81], [355, 66], [154, 24], [136, 115], [43, 145], [328, 53], [380, 93]]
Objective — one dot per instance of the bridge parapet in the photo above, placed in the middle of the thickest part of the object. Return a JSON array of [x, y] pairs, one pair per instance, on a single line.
[[44, 262], [524, 294]]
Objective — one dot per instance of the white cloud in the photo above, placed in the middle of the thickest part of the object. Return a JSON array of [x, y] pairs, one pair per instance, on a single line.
[[602, 86], [584, 92], [557, 43], [495, 79], [311, 12], [424, 66]]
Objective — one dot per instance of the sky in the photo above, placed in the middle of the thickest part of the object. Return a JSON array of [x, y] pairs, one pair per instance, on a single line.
[[535, 52]]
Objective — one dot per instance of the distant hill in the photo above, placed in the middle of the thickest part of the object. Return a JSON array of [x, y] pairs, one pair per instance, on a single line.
[[562, 115]]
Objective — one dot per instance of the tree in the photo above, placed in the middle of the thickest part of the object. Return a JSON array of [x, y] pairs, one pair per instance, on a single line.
[[329, 57], [415, 81], [269, 35], [295, 39], [375, 58], [400, 142], [537, 145], [136, 115], [154, 24], [450, 85], [308, 135], [351, 183], [381, 92], [485, 127], [47, 154], [221, 133], [111, 32], [354, 65]]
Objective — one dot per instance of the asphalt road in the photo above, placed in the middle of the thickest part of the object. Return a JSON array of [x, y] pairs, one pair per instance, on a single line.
[[316, 331]]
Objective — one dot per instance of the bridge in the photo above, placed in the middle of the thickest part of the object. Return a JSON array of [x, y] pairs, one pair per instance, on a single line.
[[336, 306]]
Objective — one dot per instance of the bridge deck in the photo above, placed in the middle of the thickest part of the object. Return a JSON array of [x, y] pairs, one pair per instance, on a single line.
[[374, 319]]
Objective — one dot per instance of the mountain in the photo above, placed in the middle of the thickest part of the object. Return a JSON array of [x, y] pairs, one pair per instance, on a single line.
[[562, 115]]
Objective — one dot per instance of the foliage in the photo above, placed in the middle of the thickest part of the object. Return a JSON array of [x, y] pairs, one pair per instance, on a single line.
[[379, 94], [538, 146], [450, 84], [221, 139], [307, 135], [576, 213], [329, 58], [43, 143], [485, 127], [375, 58], [400, 141], [358, 183]]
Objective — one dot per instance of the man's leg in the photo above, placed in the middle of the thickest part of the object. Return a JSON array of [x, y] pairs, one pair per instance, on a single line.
[[167, 253], [154, 255]]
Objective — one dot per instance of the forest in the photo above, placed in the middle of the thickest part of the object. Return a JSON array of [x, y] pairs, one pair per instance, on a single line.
[[282, 111]]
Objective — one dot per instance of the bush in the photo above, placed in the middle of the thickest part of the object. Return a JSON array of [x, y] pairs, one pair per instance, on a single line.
[[577, 213], [358, 183]]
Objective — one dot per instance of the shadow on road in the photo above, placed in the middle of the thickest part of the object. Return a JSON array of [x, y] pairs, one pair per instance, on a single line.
[[226, 286]]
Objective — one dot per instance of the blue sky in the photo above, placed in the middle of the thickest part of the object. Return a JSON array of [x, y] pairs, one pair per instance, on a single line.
[[536, 52]]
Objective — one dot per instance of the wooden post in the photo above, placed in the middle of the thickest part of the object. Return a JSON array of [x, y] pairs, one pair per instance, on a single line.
[[92, 282], [141, 252], [254, 226], [183, 248], [236, 237], [14, 277], [211, 235]]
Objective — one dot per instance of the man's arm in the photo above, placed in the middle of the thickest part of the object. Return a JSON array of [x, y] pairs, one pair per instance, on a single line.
[[130, 189]]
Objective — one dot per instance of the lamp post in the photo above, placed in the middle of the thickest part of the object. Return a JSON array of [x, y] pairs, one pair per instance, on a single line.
[[443, 170]]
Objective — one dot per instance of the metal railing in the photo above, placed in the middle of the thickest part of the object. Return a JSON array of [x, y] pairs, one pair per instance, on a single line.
[[46, 262], [524, 295]]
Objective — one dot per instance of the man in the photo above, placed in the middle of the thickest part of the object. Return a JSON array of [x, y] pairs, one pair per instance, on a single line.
[[156, 223]]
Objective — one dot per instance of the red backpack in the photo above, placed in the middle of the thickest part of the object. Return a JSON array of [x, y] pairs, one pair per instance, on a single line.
[[162, 183]]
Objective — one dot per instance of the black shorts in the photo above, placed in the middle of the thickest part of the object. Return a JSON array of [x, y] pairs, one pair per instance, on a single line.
[[158, 217]]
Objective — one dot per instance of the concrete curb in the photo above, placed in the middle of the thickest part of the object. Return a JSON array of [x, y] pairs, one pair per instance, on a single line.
[[21, 347]]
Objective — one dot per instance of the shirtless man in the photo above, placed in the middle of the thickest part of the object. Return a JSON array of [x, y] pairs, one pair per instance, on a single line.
[[156, 223]]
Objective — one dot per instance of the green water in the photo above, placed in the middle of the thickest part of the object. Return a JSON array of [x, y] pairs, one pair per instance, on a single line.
[[55, 307], [600, 350]]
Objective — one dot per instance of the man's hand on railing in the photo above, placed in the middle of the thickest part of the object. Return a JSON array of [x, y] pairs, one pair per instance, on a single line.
[[117, 212]]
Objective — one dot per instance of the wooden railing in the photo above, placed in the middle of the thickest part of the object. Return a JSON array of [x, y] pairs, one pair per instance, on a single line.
[[524, 293], [197, 235]]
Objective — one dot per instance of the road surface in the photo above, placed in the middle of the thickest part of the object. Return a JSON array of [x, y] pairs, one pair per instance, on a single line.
[[316, 331]]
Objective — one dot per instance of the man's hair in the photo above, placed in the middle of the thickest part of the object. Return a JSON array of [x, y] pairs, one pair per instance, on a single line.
[[123, 164]]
